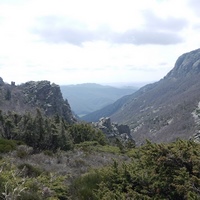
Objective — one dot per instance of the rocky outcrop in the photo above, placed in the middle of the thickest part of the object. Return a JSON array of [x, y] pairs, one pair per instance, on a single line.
[[48, 97], [31, 95], [1, 81], [113, 130]]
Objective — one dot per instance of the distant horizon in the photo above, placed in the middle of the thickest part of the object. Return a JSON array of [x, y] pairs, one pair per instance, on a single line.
[[112, 84]]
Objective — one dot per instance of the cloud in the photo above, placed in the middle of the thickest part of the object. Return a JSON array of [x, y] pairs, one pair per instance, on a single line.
[[194, 4], [156, 31], [155, 22], [58, 29], [142, 37]]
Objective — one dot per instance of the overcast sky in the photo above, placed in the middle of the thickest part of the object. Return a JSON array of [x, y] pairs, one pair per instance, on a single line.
[[102, 41]]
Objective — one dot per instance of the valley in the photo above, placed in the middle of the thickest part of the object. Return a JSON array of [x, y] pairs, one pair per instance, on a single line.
[[145, 145]]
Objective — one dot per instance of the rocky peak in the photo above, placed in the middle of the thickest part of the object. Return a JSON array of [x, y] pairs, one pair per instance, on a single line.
[[47, 97], [186, 65], [31, 95]]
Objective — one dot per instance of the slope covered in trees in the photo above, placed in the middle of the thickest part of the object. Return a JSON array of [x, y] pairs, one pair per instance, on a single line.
[[43, 133]]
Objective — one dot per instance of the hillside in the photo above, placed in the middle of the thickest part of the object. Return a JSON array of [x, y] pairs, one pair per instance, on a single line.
[[89, 97], [165, 110]]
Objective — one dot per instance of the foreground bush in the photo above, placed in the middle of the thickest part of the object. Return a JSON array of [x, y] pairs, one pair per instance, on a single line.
[[8, 145], [157, 171]]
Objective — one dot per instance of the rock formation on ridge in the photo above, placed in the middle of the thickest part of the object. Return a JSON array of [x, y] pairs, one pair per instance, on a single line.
[[31, 95]]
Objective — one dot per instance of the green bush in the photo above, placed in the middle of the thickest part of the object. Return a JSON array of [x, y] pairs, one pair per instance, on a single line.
[[48, 153], [157, 171], [7, 145], [85, 132], [84, 186], [30, 196], [30, 170]]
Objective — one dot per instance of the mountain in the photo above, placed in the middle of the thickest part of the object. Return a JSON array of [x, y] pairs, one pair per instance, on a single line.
[[31, 95], [89, 97], [165, 110], [106, 111]]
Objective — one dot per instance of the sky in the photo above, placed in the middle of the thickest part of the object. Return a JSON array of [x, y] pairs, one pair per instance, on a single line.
[[95, 41]]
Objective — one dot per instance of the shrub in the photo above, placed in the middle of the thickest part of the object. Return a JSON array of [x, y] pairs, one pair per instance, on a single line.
[[48, 153], [29, 170], [7, 145], [84, 186], [157, 171], [23, 151]]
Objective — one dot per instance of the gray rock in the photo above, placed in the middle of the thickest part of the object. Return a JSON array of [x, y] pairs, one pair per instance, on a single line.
[[47, 97], [30, 96], [111, 130], [187, 64], [1, 82]]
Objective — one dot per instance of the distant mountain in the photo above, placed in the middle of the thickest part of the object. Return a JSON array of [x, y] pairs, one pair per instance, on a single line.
[[89, 97], [31, 95], [165, 110], [107, 111]]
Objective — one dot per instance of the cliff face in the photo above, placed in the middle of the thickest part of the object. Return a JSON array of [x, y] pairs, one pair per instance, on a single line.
[[31, 95], [186, 65]]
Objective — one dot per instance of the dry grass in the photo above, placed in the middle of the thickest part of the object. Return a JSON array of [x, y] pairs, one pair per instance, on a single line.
[[71, 163]]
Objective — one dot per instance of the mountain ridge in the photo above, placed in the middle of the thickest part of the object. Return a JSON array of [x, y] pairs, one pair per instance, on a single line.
[[31, 95], [162, 111]]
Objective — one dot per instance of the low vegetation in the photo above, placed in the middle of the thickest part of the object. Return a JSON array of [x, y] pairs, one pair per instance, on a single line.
[[157, 171], [47, 158]]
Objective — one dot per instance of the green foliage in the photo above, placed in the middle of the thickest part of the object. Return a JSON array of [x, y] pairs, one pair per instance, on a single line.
[[44, 133], [157, 171], [7, 145], [29, 170], [27, 182], [48, 153], [84, 132], [84, 187]]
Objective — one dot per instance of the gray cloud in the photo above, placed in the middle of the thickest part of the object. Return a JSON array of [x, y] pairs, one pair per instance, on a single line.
[[195, 5], [66, 35], [62, 30], [169, 24], [55, 29], [142, 37]]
